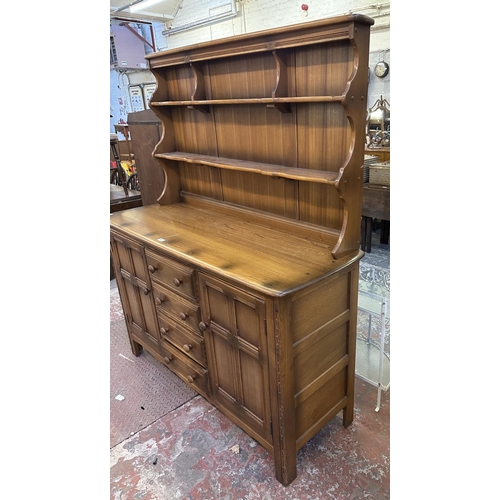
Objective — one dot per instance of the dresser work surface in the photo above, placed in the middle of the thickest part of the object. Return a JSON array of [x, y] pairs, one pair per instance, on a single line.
[[270, 261], [243, 278]]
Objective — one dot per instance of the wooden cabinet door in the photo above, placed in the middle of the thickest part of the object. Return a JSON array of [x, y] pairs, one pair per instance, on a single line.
[[133, 281], [235, 333]]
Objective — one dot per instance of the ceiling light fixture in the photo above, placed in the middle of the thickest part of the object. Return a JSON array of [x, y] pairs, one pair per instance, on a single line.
[[143, 5]]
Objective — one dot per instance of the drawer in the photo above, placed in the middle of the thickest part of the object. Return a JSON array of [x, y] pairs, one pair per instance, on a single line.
[[190, 343], [193, 374], [182, 310], [172, 274]]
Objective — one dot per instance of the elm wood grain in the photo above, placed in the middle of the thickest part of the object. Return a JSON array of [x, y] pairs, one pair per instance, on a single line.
[[189, 371], [145, 133], [191, 344], [273, 262], [135, 293], [237, 347], [346, 74], [277, 171], [118, 200], [299, 411], [268, 260], [173, 274], [271, 101], [333, 29]]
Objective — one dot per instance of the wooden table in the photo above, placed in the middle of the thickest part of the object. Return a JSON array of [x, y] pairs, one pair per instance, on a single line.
[[118, 200], [376, 205]]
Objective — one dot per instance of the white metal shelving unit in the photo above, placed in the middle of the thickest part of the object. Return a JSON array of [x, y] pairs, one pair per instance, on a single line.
[[372, 356]]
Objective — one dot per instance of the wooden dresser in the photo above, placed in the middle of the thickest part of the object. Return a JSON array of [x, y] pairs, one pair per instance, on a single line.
[[243, 277]]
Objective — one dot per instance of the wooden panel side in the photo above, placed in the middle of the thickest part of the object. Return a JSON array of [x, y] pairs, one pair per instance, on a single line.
[[323, 326], [145, 137], [314, 308]]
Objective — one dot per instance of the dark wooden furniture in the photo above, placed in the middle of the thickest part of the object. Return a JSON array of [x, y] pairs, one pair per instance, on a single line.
[[243, 278], [118, 200], [145, 132], [376, 205]]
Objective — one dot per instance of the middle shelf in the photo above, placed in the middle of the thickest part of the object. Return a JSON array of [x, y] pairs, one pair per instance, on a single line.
[[278, 171]]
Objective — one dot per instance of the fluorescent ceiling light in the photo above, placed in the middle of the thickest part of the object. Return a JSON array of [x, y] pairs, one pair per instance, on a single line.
[[143, 5]]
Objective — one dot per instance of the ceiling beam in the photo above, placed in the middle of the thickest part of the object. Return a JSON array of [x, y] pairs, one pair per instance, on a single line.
[[127, 25]]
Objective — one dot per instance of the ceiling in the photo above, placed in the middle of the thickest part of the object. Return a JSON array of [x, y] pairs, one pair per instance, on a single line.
[[162, 11]]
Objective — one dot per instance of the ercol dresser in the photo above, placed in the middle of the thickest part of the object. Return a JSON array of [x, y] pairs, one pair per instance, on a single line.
[[243, 277]]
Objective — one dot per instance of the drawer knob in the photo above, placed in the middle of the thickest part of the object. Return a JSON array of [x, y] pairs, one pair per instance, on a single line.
[[167, 360], [163, 330], [187, 347], [177, 282], [146, 291], [159, 300], [152, 269], [184, 316], [202, 326], [190, 378]]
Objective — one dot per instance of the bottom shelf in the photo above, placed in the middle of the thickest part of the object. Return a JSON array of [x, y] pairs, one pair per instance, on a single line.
[[368, 362]]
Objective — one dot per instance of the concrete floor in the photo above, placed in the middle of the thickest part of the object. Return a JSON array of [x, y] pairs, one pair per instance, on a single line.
[[189, 450]]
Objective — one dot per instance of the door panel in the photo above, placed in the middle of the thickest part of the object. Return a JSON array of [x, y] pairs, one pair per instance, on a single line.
[[135, 290], [237, 353]]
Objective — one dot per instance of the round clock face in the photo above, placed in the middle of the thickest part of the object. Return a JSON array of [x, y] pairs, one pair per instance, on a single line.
[[381, 69]]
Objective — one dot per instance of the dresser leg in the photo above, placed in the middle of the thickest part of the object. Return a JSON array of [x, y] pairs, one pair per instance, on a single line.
[[136, 347], [286, 472], [280, 350], [348, 415], [348, 412]]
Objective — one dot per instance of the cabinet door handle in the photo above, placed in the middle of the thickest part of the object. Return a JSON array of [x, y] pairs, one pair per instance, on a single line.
[[190, 378], [184, 316], [152, 269], [203, 326], [159, 301], [187, 347], [177, 281]]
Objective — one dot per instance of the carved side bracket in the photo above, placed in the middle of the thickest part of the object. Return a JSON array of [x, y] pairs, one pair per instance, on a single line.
[[281, 87], [199, 93]]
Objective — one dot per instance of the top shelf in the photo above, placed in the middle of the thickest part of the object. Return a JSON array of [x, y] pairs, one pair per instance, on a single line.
[[277, 171], [256, 100], [311, 33]]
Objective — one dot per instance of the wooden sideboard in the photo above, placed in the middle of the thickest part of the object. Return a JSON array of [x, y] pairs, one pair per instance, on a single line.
[[243, 278]]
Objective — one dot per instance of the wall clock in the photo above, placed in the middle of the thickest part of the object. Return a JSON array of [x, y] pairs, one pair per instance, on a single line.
[[381, 69]]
